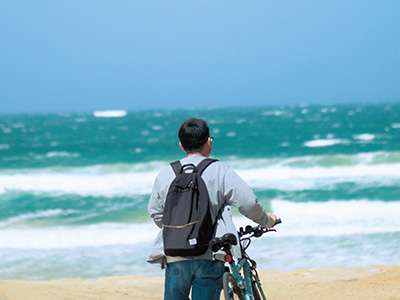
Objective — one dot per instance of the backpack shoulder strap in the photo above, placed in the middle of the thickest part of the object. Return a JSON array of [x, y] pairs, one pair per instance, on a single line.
[[204, 164], [177, 167]]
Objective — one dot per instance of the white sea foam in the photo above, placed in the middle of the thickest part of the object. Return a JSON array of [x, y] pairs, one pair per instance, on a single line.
[[325, 142], [276, 113], [286, 174], [336, 218], [80, 236], [61, 154], [364, 137], [4, 146], [84, 185], [240, 121], [31, 216], [6, 130], [333, 218], [287, 178], [157, 127], [110, 113], [53, 154], [320, 219]]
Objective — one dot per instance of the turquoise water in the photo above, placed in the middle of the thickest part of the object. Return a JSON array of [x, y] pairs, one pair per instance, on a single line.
[[74, 187]]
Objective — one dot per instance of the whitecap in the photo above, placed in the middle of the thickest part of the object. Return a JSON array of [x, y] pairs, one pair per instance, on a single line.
[[330, 135], [31, 216], [109, 185], [376, 169], [157, 128], [324, 142], [18, 125], [145, 132], [240, 121], [152, 141], [276, 113], [61, 154], [80, 120], [4, 146], [63, 237], [364, 137], [337, 217], [7, 130], [110, 113]]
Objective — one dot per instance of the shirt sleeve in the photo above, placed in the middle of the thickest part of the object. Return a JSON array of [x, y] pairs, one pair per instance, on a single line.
[[156, 205], [239, 194]]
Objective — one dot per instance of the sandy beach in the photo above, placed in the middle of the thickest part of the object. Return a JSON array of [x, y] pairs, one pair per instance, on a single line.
[[360, 283]]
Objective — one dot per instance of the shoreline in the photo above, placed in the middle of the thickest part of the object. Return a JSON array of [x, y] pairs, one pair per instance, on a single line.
[[329, 283]]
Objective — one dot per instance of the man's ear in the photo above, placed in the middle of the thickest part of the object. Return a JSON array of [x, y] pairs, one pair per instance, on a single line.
[[180, 145], [207, 148]]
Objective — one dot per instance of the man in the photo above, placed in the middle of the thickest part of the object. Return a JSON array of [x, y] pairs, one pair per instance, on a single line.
[[202, 273]]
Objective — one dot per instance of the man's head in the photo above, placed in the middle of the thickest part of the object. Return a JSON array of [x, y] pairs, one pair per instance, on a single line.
[[194, 136]]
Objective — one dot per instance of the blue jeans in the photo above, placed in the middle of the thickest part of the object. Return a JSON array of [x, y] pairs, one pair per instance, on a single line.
[[204, 276]]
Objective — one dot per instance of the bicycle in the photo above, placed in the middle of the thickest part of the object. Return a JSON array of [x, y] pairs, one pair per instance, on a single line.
[[240, 280]]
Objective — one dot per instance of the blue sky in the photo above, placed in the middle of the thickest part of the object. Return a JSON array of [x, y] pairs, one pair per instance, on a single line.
[[64, 56]]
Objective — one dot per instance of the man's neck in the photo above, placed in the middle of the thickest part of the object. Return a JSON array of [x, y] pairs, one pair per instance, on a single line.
[[195, 153]]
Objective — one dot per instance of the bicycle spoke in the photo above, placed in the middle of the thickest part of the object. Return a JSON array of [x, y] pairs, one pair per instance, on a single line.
[[231, 289]]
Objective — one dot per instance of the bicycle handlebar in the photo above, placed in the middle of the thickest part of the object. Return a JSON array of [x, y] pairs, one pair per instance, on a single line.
[[229, 239], [257, 231]]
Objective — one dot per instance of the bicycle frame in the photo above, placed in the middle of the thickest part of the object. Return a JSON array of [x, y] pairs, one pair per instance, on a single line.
[[242, 274], [243, 265]]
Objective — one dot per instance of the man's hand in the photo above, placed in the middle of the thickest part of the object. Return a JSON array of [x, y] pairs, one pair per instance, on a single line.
[[273, 217]]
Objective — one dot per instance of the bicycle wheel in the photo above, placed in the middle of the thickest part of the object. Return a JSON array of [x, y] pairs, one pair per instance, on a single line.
[[256, 292], [231, 288]]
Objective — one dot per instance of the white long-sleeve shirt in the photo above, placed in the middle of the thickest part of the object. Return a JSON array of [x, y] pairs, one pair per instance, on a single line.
[[225, 188]]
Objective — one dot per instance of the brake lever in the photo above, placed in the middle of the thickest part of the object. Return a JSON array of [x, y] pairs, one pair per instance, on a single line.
[[259, 231]]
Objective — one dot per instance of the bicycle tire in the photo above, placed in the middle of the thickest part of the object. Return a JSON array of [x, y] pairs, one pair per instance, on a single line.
[[231, 289], [256, 292]]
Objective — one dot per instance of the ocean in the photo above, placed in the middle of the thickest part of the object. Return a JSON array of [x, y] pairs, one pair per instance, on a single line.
[[74, 187]]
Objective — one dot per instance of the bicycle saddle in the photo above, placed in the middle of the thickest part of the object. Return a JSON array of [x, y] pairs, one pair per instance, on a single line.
[[227, 240]]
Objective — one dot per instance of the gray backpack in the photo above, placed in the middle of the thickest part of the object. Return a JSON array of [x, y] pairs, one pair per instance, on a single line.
[[187, 223]]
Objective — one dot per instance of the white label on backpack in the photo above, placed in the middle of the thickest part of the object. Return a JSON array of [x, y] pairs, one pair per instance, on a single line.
[[192, 242]]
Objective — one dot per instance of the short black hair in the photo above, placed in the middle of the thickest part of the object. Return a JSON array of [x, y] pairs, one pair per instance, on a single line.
[[193, 134]]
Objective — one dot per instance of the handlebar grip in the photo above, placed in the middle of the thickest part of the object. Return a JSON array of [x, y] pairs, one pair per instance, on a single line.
[[278, 221]]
